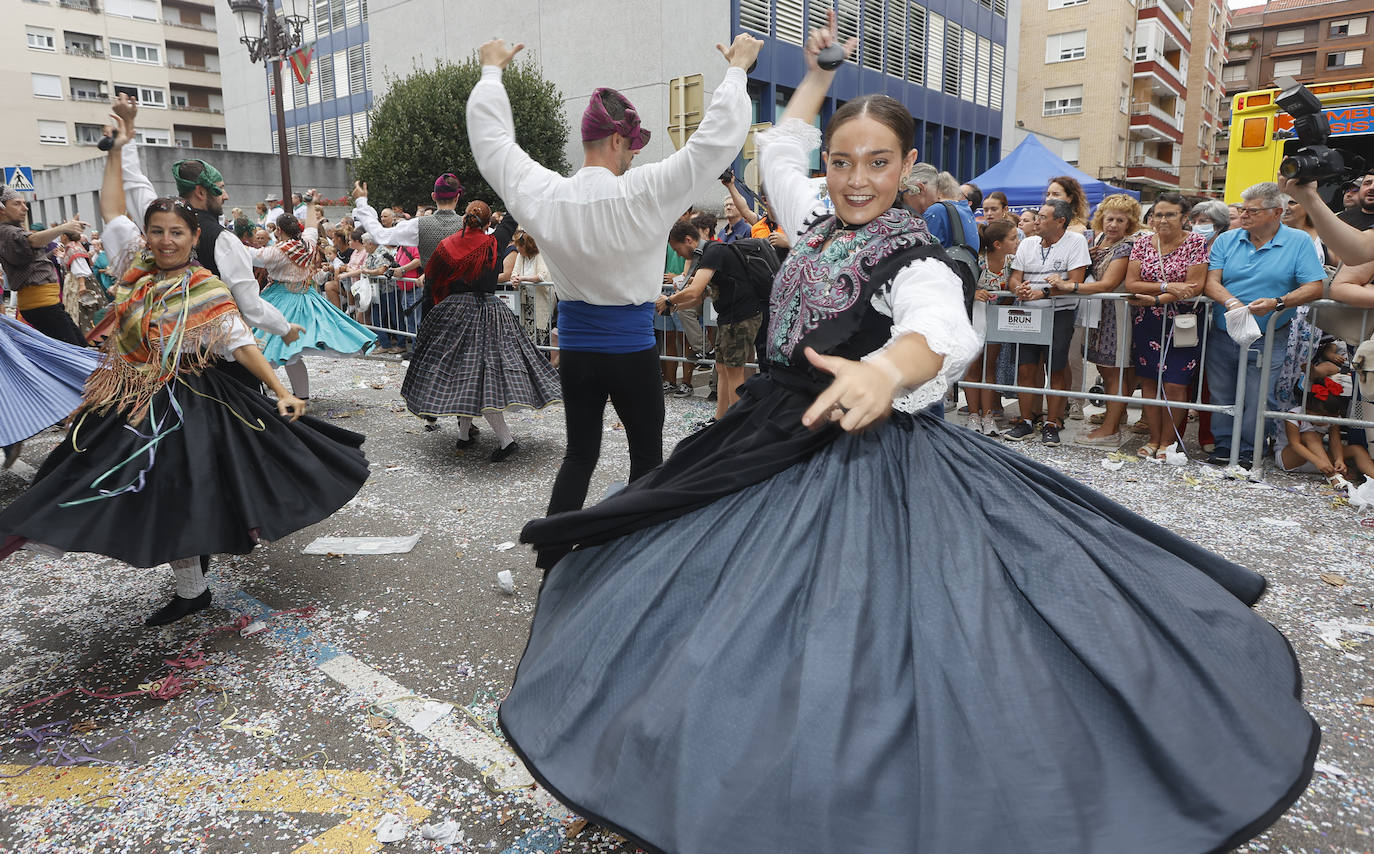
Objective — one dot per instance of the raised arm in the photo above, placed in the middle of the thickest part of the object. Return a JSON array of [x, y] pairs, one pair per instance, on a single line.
[[785, 150], [741, 205], [405, 232], [138, 190]]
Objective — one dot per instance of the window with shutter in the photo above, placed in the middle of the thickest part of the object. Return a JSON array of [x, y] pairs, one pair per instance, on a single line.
[[52, 133], [789, 22], [756, 15], [321, 17], [317, 138], [1063, 100], [1063, 47], [325, 72], [353, 15], [916, 44], [954, 36], [871, 41], [340, 63], [935, 57], [984, 60], [331, 138], [356, 75], [997, 73], [41, 38], [367, 65], [896, 39], [47, 86], [968, 66], [336, 14], [1000, 7], [1288, 68], [816, 14]]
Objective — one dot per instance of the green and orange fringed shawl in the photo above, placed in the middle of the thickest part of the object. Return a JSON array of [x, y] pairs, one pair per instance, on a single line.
[[152, 321]]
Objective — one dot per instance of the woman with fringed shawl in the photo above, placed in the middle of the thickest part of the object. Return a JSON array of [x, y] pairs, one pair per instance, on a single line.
[[289, 265], [471, 356], [168, 460]]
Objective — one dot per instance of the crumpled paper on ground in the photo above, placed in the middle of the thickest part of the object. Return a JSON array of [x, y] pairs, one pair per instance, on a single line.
[[444, 832], [392, 828], [1361, 496], [1242, 326]]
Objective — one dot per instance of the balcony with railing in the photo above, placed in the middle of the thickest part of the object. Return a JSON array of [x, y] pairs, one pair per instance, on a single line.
[[1152, 120], [1154, 10], [1152, 170], [1152, 61]]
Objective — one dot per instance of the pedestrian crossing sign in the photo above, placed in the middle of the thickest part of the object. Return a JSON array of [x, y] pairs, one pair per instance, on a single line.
[[20, 178]]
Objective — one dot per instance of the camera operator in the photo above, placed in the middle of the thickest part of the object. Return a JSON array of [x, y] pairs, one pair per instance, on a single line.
[[1349, 243], [1347, 236]]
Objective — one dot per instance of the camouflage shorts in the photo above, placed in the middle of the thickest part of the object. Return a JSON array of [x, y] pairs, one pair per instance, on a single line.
[[735, 342]]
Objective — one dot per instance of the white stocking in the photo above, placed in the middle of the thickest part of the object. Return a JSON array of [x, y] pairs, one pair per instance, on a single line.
[[299, 377], [190, 580], [498, 425], [464, 426]]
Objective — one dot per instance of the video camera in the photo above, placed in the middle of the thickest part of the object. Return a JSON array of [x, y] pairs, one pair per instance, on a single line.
[[1315, 161]]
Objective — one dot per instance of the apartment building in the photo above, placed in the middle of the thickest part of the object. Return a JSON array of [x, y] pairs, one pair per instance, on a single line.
[[1120, 85], [77, 54]]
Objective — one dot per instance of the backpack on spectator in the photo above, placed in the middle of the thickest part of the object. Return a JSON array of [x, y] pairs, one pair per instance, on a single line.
[[760, 262], [962, 254]]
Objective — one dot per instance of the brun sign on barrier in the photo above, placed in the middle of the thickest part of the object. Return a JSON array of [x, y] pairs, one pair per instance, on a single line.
[[1019, 324]]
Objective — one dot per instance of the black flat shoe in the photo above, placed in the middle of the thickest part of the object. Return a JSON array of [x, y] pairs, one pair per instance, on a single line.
[[470, 440], [176, 609], [502, 453], [204, 564]]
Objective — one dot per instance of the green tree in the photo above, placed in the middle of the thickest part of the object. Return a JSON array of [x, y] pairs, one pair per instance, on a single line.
[[420, 131]]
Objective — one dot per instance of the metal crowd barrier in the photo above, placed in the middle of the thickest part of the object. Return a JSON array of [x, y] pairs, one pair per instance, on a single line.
[[1343, 316], [1019, 325]]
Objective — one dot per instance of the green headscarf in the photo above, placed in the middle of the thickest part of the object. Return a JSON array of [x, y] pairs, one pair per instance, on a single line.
[[208, 178]]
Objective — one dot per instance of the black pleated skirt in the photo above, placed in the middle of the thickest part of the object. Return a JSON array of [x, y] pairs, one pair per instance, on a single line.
[[910, 640], [232, 473]]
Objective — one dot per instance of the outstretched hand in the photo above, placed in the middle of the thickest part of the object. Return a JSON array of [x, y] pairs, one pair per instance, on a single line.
[[860, 396], [359, 190], [495, 52], [742, 52], [823, 37]]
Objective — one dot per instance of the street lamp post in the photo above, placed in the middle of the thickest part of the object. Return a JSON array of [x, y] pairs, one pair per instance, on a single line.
[[268, 39]]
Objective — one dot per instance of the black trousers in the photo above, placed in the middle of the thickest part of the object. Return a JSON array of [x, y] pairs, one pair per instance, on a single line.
[[631, 382], [54, 322]]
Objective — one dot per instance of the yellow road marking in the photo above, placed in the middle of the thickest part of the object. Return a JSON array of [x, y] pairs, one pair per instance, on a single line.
[[363, 796]]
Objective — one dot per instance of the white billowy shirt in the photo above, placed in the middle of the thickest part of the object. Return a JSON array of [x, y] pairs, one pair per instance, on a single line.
[[602, 235], [925, 296], [121, 237], [231, 256], [279, 267]]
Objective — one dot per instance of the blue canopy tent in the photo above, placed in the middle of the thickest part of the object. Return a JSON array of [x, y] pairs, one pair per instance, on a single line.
[[1024, 173]]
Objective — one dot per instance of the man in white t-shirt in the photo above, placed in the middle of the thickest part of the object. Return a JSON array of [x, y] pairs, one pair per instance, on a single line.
[[1050, 264]]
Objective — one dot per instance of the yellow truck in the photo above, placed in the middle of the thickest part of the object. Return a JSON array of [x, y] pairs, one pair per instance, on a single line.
[[1261, 132]]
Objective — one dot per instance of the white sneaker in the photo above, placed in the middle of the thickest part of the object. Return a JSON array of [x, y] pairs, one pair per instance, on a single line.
[[990, 427], [1076, 410], [975, 423]]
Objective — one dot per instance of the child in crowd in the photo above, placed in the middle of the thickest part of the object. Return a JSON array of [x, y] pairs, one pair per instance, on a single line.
[[1306, 447]]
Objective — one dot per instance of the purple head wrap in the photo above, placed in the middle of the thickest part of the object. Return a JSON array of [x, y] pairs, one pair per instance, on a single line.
[[598, 124], [447, 186]]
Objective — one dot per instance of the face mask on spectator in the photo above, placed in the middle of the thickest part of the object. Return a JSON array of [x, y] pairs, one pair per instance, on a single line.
[[1203, 228]]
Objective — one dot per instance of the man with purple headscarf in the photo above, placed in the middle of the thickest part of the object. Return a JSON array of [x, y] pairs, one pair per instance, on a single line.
[[602, 231]]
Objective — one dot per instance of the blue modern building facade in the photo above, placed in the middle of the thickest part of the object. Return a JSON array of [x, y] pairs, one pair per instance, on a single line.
[[329, 115], [946, 60]]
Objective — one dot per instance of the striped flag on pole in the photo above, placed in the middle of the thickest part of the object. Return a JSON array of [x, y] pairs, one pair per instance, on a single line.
[[301, 60]]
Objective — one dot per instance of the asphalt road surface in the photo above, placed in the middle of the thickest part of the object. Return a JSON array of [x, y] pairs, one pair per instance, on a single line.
[[370, 697]]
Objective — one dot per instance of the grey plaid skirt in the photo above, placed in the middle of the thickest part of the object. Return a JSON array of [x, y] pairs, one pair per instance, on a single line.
[[471, 356]]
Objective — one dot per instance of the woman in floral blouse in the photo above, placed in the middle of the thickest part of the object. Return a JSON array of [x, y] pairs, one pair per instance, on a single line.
[[1166, 268]]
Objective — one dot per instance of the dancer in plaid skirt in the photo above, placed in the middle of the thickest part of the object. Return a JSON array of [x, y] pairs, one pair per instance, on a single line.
[[471, 356]]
